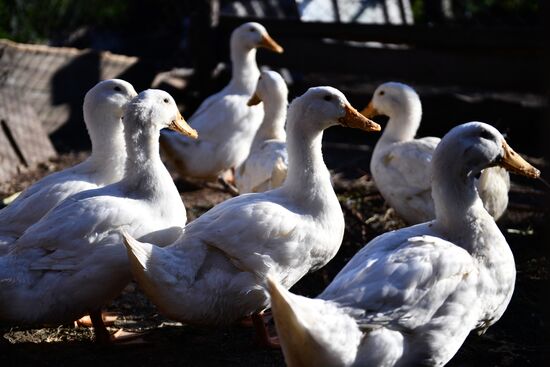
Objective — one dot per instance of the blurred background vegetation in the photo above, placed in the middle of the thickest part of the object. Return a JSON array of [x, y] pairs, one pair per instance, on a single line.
[[69, 22]]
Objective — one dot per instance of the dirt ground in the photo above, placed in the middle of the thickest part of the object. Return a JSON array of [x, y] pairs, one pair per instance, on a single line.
[[518, 339]]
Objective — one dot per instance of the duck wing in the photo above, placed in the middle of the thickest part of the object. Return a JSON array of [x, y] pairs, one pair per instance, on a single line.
[[405, 279], [255, 234], [408, 164]]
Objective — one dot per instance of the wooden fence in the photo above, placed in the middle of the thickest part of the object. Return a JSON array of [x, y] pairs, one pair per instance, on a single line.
[[491, 57]]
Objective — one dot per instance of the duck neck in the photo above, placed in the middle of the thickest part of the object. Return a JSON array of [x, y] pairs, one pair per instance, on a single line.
[[108, 145], [244, 72], [308, 178], [273, 124], [144, 168], [403, 123], [459, 210]]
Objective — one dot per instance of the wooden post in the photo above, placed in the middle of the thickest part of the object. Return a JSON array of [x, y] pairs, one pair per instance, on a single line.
[[203, 40]]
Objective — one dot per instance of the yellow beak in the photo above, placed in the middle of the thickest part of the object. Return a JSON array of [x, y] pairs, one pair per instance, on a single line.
[[270, 44], [513, 162], [254, 100], [370, 111], [354, 119], [182, 127]]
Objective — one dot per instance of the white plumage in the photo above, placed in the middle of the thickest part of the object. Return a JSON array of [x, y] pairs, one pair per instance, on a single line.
[[72, 261], [103, 107], [225, 123], [267, 164], [410, 297], [401, 164], [214, 272]]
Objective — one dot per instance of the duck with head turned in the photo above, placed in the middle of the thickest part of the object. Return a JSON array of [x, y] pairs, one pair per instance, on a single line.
[[225, 123], [103, 108], [267, 164], [72, 261], [213, 274], [410, 297], [401, 164]]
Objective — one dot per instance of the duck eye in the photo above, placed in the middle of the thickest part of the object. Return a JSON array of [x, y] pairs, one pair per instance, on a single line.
[[166, 100], [252, 29], [485, 135], [381, 93], [327, 98], [118, 89]]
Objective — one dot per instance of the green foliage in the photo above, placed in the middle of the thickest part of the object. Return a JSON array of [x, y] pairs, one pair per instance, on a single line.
[[39, 20]]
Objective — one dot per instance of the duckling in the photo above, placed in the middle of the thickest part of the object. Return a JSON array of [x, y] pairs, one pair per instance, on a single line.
[[213, 274], [267, 164], [224, 121], [411, 297], [72, 262], [401, 164], [103, 108]]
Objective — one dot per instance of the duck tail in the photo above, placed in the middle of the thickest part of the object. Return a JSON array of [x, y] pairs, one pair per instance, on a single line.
[[312, 332], [139, 253]]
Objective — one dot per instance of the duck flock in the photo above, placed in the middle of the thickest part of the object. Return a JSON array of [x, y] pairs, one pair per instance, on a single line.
[[71, 242]]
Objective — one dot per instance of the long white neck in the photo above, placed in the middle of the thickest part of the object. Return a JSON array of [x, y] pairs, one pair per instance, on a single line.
[[308, 177], [462, 219], [244, 72], [145, 172], [459, 210], [108, 145], [273, 124], [404, 122]]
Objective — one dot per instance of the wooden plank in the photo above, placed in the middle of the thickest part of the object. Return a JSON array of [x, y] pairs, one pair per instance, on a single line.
[[442, 54], [498, 69], [55, 79], [439, 36], [24, 141], [9, 162]]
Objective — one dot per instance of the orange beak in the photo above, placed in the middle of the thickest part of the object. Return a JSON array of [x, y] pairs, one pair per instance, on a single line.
[[354, 119], [370, 111], [182, 127], [270, 44], [513, 162], [254, 100]]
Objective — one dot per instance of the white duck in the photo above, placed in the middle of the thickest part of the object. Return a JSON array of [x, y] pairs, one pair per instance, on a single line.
[[267, 164], [103, 106], [214, 272], [72, 261], [410, 297], [401, 164], [225, 123]]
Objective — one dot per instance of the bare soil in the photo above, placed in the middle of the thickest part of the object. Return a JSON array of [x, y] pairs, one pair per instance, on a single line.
[[518, 339]]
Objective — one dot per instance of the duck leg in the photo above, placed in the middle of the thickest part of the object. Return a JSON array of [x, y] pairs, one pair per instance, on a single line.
[[263, 339], [108, 318], [102, 335], [227, 180]]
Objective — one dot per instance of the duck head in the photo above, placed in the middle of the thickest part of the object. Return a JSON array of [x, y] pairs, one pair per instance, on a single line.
[[391, 98], [480, 145], [158, 108], [327, 106], [253, 35], [270, 85], [108, 98]]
